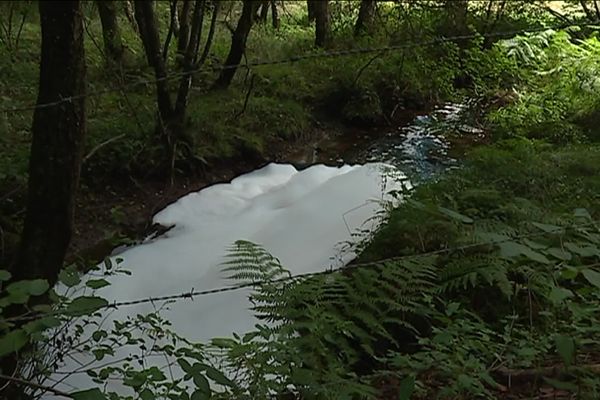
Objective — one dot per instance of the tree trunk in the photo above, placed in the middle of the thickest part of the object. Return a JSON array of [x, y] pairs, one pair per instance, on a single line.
[[364, 22], [275, 15], [456, 18], [322, 23], [111, 33], [310, 5], [148, 28], [57, 144], [238, 44], [263, 11], [184, 27]]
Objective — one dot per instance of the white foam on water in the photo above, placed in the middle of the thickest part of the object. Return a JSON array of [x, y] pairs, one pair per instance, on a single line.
[[301, 217]]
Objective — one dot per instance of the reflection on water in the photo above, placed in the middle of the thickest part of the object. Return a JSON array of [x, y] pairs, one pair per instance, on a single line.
[[419, 148]]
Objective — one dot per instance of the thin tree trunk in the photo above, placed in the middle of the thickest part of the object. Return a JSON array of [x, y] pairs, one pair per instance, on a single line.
[[263, 11], [148, 28], [597, 8], [586, 10], [456, 18], [184, 27], [364, 22], [275, 15], [111, 33], [57, 144], [238, 44], [322, 23], [211, 33]]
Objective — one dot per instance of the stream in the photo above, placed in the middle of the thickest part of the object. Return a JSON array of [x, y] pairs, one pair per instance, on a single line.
[[306, 217]]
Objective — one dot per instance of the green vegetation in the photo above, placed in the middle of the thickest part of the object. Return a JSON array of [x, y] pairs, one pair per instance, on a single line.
[[484, 283]]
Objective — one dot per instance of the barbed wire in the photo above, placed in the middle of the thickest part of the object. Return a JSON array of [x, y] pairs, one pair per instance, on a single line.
[[294, 59], [196, 293]]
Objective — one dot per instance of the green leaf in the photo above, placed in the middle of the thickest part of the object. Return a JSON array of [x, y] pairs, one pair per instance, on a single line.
[[559, 254], [407, 387], [69, 277], [13, 341], [592, 277], [33, 287], [185, 366], [4, 275], [147, 394], [202, 384], [548, 228], [41, 325], [587, 251], [85, 305], [456, 216], [561, 385], [217, 376], [200, 395], [565, 346], [90, 394], [558, 295], [582, 213], [513, 249], [97, 283]]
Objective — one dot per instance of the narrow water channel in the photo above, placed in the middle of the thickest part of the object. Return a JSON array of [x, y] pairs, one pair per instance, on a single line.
[[303, 217]]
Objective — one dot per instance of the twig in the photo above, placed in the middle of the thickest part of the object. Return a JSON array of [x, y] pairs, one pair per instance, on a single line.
[[376, 56], [36, 386], [243, 110], [98, 147]]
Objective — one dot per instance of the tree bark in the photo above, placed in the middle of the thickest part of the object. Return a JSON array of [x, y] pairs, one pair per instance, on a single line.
[[113, 46], [184, 27], [263, 11], [310, 5], [322, 23], [275, 15], [366, 13], [238, 44], [456, 17], [57, 144]]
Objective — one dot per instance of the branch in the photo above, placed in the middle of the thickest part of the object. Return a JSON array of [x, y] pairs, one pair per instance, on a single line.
[[98, 147], [171, 29], [36, 386]]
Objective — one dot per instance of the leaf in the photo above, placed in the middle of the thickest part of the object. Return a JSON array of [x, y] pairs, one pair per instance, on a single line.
[[582, 213], [456, 216], [592, 277], [558, 295], [571, 387], [90, 394], [41, 324], [407, 387], [85, 305], [97, 283], [565, 346], [69, 277], [200, 395], [33, 287], [513, 249], [218, 377], [587, 251], [202, 384], [13, 341], [548, 228], [147, 394], [4, 275], [559, 254]]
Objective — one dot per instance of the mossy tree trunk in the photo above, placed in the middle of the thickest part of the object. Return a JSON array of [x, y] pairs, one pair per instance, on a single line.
[[238, 44], [111, 34]]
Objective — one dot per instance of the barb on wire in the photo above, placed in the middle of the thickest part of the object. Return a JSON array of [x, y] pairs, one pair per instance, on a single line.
[[293, 59], [193, 293]]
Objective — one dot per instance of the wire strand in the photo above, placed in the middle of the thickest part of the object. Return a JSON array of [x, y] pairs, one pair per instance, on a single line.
[[195, 293], [291, 60]]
